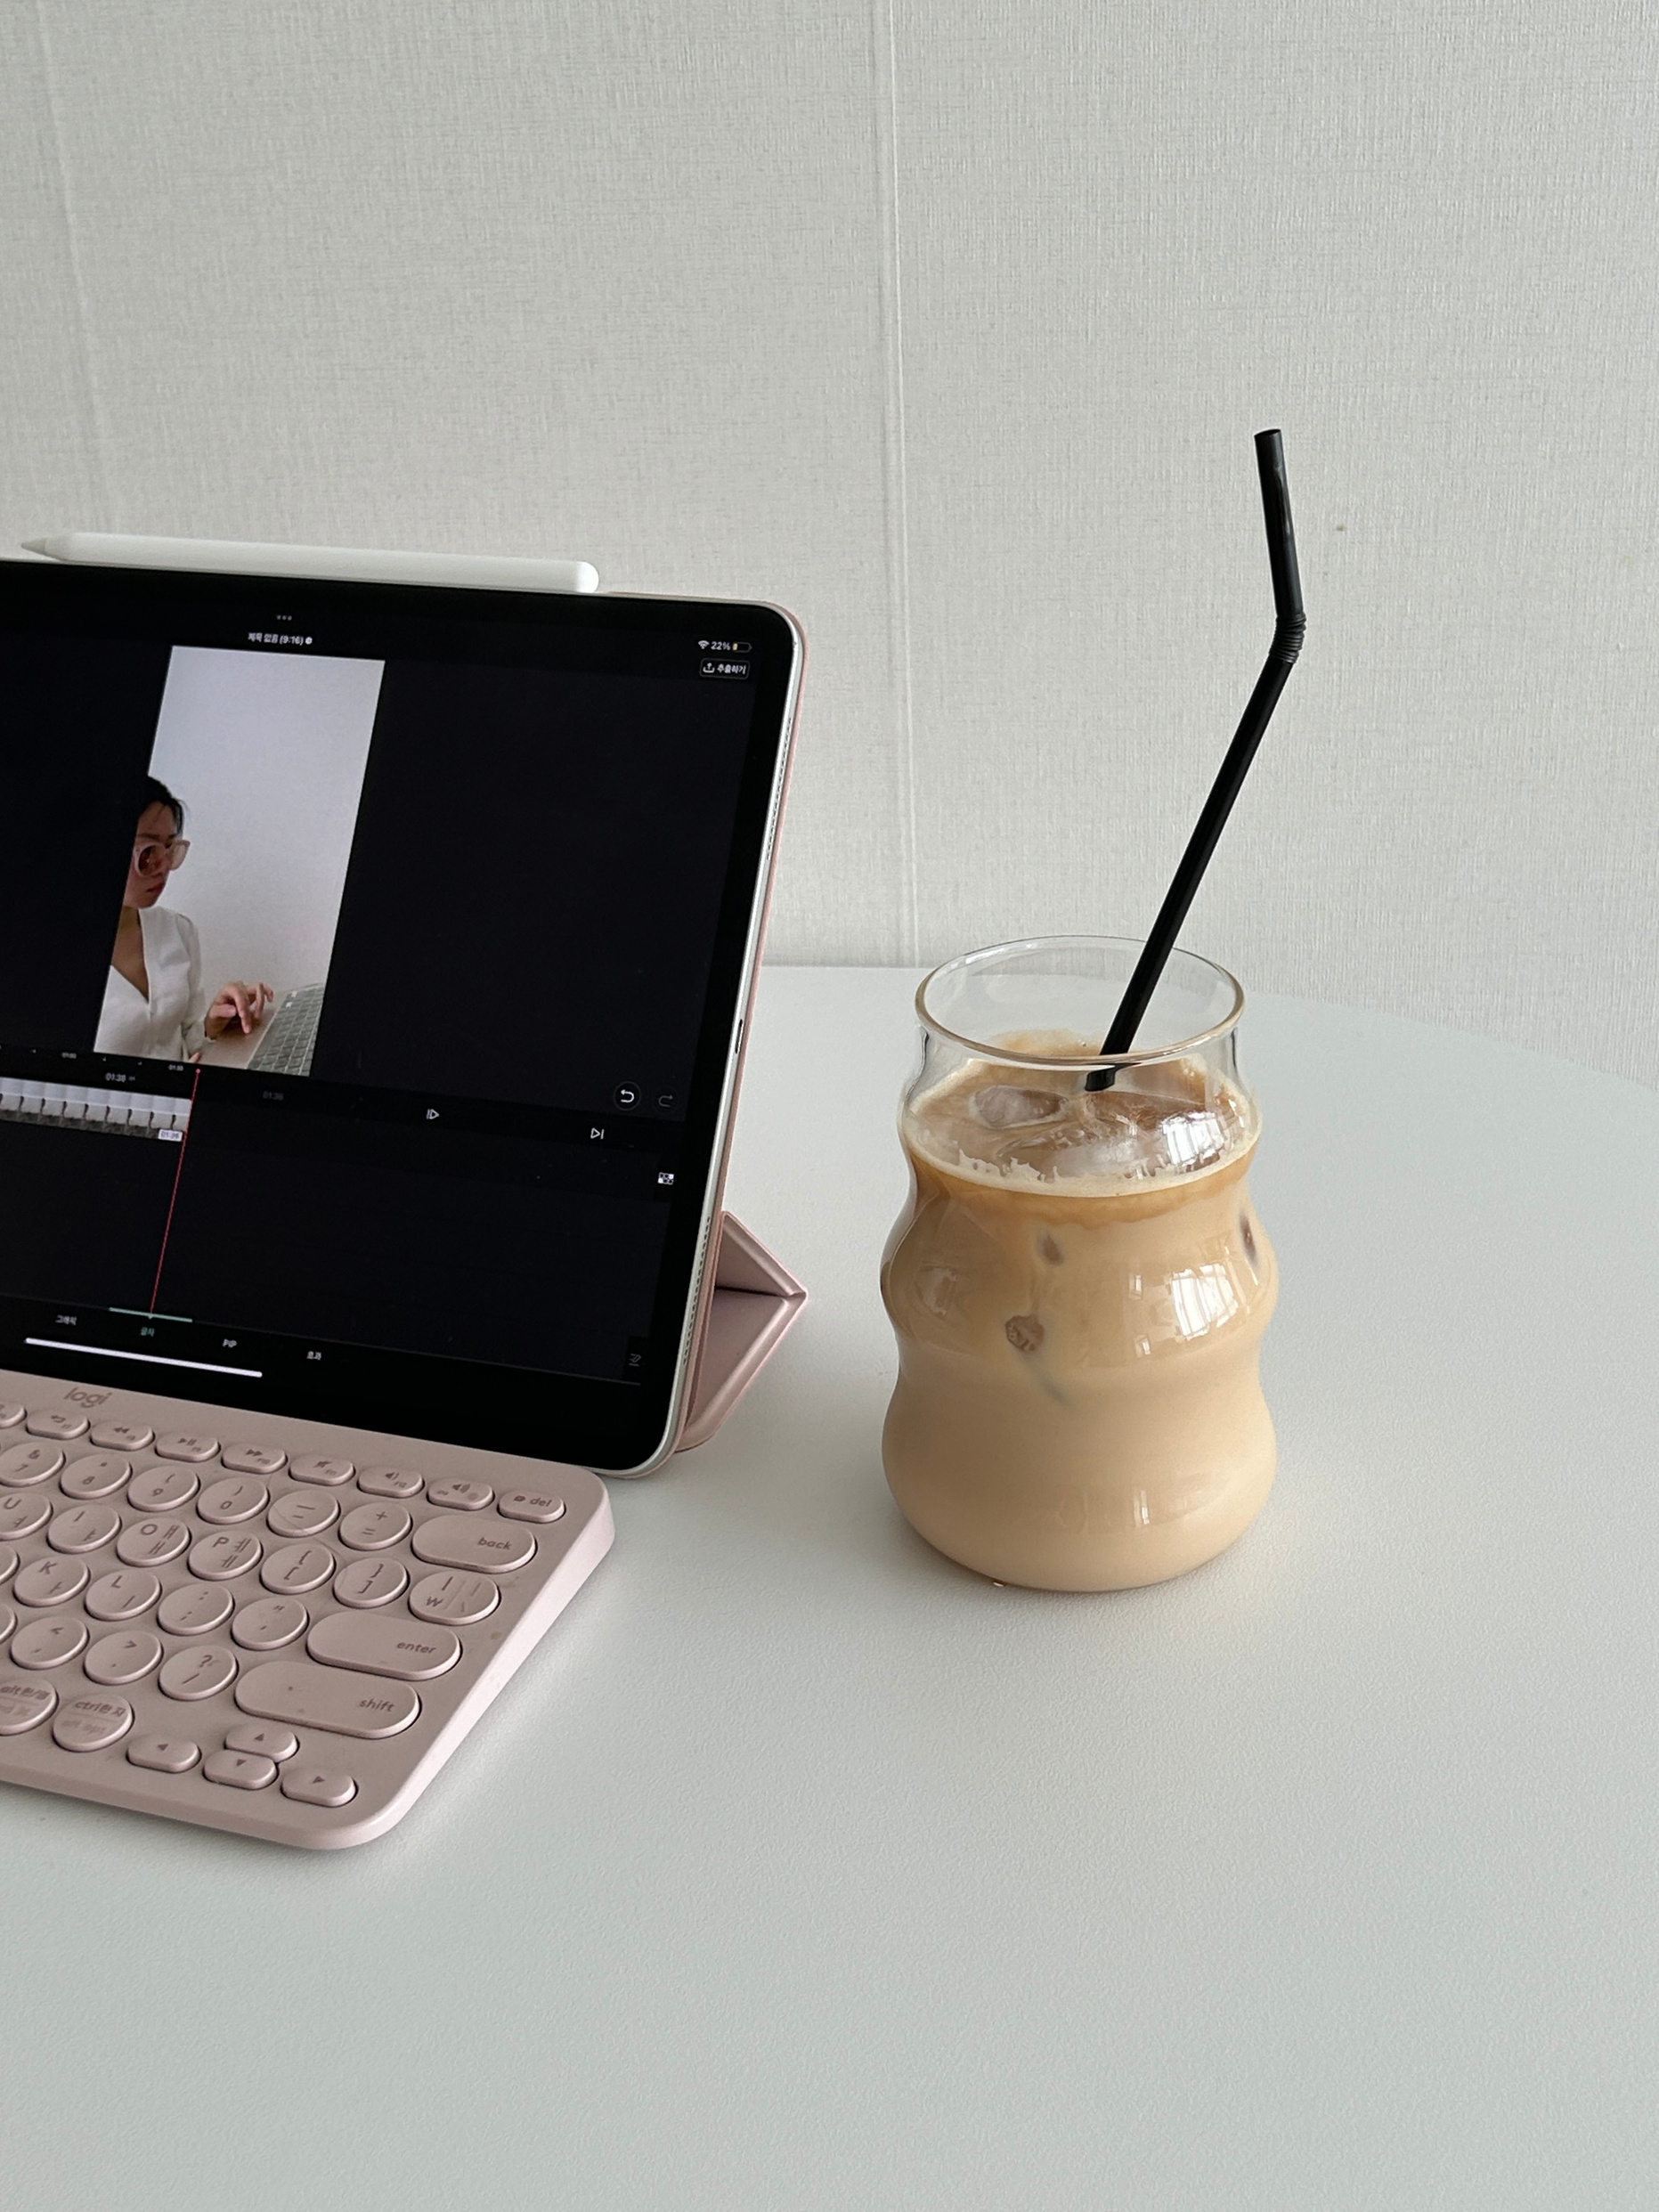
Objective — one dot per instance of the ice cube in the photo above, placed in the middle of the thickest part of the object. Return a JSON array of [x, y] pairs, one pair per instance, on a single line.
[[1005, 1106]]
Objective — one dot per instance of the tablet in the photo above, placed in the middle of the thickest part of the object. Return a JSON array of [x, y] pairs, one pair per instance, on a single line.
[[486, 872]]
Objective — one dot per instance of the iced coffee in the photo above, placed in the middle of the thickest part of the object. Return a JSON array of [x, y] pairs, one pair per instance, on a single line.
[[1079, 1282]]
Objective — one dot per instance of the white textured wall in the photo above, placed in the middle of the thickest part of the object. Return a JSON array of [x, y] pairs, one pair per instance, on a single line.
[[947, 325]]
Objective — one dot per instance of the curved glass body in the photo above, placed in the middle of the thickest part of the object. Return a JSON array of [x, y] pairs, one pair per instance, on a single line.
[[1078, 1283]]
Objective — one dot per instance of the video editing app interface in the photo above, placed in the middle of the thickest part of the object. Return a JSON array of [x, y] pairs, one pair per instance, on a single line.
[[352, 1001]]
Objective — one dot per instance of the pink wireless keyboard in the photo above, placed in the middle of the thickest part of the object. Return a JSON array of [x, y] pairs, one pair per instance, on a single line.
[[273, 1626]]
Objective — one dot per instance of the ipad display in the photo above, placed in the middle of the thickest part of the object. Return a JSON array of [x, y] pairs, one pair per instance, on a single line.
[[368, 1004]]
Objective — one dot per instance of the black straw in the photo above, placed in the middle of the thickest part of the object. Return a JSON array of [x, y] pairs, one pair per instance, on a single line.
[[1289, 629]]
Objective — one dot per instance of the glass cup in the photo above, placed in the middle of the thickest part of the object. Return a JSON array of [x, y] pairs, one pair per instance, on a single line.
[[1079, 1282]]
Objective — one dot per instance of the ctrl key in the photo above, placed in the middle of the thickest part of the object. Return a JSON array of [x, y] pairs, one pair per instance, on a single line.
[[90, 1724]]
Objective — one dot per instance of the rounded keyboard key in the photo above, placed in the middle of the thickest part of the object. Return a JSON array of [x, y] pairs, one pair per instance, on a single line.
[[237, 1499], [253, 1459], [51, 1581], [128, 1658], [316, 1785], [383, 1643], [8, 1622], [8, 1564], [11, 1414], [310, 1696], [270, 1623], [221, 1558], [448, 1541], [24, 1705], [57, 1420], [95, 1475], [375, 1527], [390, 1482], [194, 1610], [84, 1528], [458, 1599], [22, 1512], [163, 1489], [265, 1739], [310, 1468], [461, 1497], [151, 1543], [535, 1504], [120, 1436], [122, 1596], [239, 1770], [48, 1643], [203, 1672], [167, 1755], [300, 1569], [23, 1465], [303, 1513], [364, 1582], [181, 1445], [90, 1724]]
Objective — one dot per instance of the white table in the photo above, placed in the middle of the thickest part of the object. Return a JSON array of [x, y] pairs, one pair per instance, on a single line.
[[802, 1869]]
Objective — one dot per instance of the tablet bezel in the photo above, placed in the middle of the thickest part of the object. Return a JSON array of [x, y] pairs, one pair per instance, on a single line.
[[614, 1428]]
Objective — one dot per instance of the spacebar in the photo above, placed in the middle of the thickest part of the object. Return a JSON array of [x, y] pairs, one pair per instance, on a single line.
[[326, 1697]]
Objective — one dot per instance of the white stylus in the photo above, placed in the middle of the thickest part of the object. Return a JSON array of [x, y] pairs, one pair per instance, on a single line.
[[480, 571]]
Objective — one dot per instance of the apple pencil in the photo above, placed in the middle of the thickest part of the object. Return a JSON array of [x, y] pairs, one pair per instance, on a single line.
[[479, 572]]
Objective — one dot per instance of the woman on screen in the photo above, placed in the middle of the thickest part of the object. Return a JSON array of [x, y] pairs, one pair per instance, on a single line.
[[154, 1005]]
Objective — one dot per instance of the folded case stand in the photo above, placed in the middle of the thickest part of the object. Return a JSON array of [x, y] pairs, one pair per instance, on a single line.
[[755, 1299]]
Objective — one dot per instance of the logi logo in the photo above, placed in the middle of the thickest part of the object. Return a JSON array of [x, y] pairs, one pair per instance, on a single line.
[[77, 1396]]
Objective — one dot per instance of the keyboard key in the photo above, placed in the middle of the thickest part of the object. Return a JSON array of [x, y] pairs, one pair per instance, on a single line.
[[237, 1499], [59, 1421], [50, 1582], [95, 1475], [8, 1564], [118, 1659], [122, 1596], [84, 1528], [315, 1785], [22, 1513], [90, 1724], [382, 1643], [530, 1505], [264, 1738], [321, 1697], [300, 1569], [22, 1465], [121, 1436], [389, 1482], [239, 1770], [253, 1459], [195, 1610], [167, 1755], [203, 1672], [269, 1624], [8, 1622], [303, 1513], [221, 1558], [163, 1489], [457, 1598], [370, 1582], [309, 1468], [24, 1705], [151, 1543], [48, 1643], [11, 1414], [450, 1541], [375, 1527], [181, 1445], [461, 1497]]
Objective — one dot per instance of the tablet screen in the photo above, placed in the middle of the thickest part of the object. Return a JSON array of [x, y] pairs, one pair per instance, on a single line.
[[370, 990]]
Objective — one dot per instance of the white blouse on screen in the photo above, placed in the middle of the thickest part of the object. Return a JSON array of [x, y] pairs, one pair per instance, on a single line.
[[167, 1025]]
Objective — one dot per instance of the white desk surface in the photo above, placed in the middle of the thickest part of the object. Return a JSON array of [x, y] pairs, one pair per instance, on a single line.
[[800, 1868]]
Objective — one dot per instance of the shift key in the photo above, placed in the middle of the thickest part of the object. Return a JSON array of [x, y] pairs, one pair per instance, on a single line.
[[327, 1697]]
